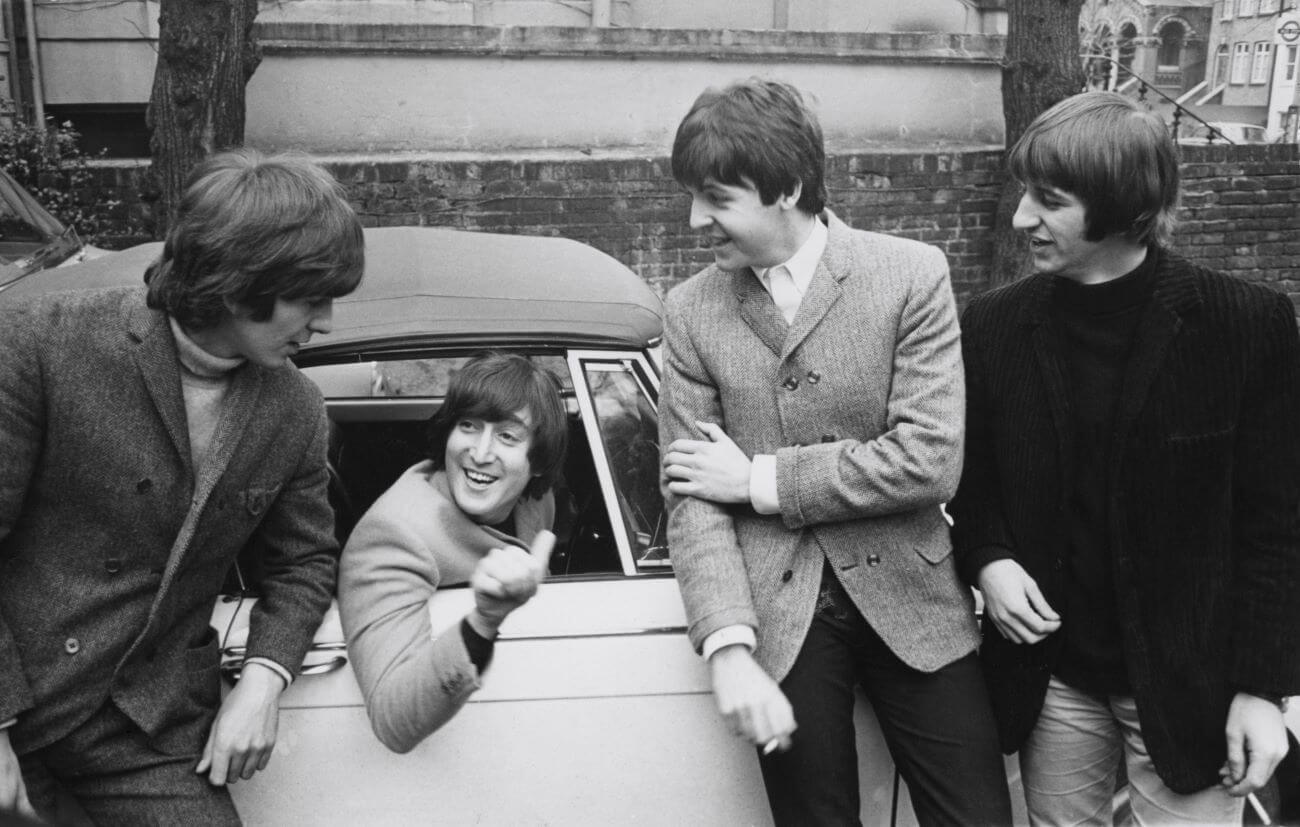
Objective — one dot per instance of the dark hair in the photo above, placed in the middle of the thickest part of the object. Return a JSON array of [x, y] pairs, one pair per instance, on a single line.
[[756, 132], [1110, 153], [494, 386], [252, 229]]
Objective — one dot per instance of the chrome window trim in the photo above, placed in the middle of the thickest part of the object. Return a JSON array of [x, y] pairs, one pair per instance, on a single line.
[[633, 361]]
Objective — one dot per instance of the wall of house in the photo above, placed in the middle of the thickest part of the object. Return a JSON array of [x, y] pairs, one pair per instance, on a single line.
[[1241, 205], [351, 76], [802, 15], [352, 89]]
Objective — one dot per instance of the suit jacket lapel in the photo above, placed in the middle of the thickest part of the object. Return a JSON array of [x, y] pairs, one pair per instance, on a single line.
[[758, 310], [1051, 371], [156, 359], [241, 401], [824, 291], [1173, 296]]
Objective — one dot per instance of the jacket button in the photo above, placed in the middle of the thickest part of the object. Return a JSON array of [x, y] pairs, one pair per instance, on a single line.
[[1059, 564], [112, 565], [786, 575], [814, 377], [829, 438], [873, 559], [72, 646], [143, 486], [790, 383]]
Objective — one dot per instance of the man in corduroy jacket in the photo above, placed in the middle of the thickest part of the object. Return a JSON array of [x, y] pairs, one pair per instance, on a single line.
[[1131, 489]]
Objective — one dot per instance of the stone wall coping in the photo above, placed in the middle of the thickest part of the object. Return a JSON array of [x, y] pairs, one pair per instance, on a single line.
[[567, 156], [746, 45]]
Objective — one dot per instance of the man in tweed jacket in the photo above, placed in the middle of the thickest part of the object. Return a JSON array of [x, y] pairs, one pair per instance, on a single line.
[[811, 417], [146, 436], [1131, 493]]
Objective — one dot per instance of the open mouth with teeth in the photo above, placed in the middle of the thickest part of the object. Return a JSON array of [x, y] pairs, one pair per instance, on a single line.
[[478, 477], [1038, 243]]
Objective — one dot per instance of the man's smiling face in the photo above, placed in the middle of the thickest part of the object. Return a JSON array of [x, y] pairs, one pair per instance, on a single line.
[[740, 229]]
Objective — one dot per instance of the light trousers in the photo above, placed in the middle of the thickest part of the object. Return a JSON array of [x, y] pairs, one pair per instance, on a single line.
[[1071, 761]]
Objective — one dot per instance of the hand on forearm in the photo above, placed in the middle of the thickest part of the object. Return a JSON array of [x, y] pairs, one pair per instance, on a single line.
[[714, 469]]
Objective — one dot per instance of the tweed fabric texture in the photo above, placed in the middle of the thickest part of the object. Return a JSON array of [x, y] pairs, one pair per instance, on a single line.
[[112, 550], [860, 399]]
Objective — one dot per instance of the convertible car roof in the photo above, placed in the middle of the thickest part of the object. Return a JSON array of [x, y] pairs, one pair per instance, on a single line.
[[424, 284]]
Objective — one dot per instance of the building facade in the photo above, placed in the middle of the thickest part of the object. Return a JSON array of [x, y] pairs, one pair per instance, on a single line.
[[512, 76], [1162, 44]]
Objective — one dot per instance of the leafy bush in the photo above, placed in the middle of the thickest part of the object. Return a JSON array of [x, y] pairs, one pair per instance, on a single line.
[[49, 163]]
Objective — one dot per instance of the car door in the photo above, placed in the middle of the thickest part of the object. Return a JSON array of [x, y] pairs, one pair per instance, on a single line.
[[595, 709]]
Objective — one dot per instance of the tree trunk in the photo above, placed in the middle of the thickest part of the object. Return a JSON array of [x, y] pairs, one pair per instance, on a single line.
[[206, 54], [1042, 67]]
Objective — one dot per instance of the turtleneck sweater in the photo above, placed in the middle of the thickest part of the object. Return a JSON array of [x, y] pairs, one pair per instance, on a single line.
[[1096, 325], [205, 381]]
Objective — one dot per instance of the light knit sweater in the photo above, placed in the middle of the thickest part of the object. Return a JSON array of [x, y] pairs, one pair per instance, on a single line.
[[413, 540]]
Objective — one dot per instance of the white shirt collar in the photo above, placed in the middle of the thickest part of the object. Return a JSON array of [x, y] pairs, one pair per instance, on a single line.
[[803, 264]]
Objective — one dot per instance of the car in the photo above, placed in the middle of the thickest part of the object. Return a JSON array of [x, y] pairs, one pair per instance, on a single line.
[[31, 239], [595, 709], [1223, 132]]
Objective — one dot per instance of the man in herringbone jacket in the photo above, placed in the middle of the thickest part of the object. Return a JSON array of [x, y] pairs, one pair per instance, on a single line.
[[1131, 490], [146, 435], [811, 417]]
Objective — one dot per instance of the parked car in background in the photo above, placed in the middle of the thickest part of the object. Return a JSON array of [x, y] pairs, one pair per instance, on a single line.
[[1224, 132], [595, 709], [31, 239]]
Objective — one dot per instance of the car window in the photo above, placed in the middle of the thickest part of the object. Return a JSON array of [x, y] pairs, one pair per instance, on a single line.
[[624, 398], [379, 416], [389, 379]]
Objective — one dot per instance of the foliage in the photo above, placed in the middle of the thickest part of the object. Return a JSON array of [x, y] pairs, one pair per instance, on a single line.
[[50, 164]]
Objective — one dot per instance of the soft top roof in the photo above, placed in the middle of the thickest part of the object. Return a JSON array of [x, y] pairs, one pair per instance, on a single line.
[[425, 283]]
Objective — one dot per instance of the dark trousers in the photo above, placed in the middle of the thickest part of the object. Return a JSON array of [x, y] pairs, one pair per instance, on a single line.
[[938, 727], [117, 777]]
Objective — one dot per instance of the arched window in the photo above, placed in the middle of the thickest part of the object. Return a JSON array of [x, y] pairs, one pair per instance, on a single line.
[[1126, 48], [1170, 55]]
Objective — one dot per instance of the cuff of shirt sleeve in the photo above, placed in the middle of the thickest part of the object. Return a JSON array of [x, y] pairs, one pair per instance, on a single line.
[[274, 667], [729, 636], [8, 723], [478, 647], [762, 484]]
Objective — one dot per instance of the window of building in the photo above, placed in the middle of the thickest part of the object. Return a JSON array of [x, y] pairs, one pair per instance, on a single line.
[[1240, 63], [1221, 65], [1170, 55], [1247, 8], [1126, 49], [1225, 9], [117, 130], [1290, 65], [1268, 6], [1260, 68]]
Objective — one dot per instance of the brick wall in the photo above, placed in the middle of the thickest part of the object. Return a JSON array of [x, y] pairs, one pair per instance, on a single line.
[[1241, 205]]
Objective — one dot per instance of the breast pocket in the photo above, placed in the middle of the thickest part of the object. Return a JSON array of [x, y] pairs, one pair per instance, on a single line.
[[256, 499]]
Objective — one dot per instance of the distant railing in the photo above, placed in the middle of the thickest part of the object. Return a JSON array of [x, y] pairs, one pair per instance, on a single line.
[[1144, 86]]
